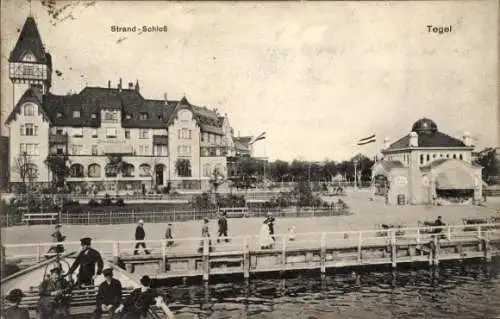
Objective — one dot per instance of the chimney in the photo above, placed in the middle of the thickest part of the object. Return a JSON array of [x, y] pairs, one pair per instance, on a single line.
[[413, 139], [130, 85], [387, 142], [467, 139], [109, 84], [120, 85], [165, 98]]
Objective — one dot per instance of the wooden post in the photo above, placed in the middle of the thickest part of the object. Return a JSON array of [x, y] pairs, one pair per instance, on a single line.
[[435, 253], [283, 249], [449, 233], [246, 259], [418, 236], [393, 249], [116, 252], [38, 253], [486, 248], [163, 261], [323, 254], [111, 217], [360, 239], [206, 261], [479, 238], [88, 217]]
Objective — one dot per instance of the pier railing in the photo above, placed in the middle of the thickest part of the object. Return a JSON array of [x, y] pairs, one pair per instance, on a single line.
[[115, 249]]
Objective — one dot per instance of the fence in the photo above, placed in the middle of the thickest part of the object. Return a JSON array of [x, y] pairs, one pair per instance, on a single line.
[[173, 215]]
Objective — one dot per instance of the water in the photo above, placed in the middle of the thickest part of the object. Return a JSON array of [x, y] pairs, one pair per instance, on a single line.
[[453, 291]]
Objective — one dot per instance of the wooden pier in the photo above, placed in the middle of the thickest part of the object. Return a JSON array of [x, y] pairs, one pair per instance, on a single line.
[[243, 257]]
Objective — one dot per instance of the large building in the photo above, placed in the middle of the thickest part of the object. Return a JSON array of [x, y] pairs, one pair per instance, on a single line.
[[157, 142], [426, 165]]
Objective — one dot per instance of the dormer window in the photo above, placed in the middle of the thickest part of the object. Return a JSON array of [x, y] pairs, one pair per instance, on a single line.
[[143, 116], [29, 109], [76, 114], [128, 116], [160, 117], [78, 132], [59, 115], [29, 57], [93, 115]]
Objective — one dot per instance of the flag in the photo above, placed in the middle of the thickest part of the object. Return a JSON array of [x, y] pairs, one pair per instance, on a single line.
[[260, 137], [367, 140]]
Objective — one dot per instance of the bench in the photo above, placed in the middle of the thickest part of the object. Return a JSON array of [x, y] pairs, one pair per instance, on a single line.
[[236, 212], [44, 217]]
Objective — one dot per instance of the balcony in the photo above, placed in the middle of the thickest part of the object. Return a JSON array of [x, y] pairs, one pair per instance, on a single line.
[[160, 140], [58, 138]]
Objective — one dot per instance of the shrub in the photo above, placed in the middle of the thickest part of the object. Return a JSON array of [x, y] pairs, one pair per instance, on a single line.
[[93, 202], [106, 201], [120, 202]]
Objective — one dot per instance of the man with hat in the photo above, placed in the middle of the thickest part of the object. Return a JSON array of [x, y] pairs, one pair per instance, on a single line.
[[270, 223], [57, 237], [87, 260], [222, 223], [140, 234], [109, 295], [137, 304], [54, 299], [11, 309]]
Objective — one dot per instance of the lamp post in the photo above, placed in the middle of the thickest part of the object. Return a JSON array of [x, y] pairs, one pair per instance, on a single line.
[[355, 174]]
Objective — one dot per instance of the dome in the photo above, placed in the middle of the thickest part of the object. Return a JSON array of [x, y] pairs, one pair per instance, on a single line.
[[424, 126]]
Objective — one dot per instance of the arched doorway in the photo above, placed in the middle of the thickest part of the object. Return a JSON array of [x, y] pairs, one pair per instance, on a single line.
[[159, 174]]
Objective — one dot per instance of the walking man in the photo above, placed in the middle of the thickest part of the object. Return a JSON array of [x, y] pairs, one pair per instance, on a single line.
[[87, 260], [270, 223], [140, 234], [109, 295], [222, 222], [57, 237], [168, 235]]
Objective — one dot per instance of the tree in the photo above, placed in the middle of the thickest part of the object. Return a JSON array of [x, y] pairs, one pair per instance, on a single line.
[[488, 159], [28, 172], [247, 166], [116, 166], [183, 167], [58, 166]]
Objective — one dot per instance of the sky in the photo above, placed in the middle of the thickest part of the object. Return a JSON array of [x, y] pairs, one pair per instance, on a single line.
[[315, 76]]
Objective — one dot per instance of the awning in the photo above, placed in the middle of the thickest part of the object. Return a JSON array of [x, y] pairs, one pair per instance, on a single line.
[[455, 179]]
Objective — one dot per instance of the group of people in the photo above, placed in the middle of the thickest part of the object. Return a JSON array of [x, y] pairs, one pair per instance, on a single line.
[[55, 291]]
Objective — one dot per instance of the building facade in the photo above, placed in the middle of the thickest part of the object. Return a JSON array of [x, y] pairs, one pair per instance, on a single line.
[[112, 138], [426, 165]]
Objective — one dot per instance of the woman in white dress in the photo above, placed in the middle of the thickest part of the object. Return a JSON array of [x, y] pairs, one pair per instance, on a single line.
[[265, 239]]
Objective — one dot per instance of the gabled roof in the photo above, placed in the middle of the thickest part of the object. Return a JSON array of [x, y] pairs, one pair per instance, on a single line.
[[389, 165], [31, 95], [91, 100], [436, 163], [436, 139], [29, 41]]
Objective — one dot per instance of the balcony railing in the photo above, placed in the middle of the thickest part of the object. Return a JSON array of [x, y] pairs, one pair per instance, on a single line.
[[58, 138]]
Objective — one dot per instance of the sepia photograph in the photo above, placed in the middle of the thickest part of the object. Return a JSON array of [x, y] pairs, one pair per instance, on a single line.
[[249, 159]]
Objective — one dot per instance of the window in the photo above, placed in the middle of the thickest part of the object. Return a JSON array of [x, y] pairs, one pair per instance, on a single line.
[[160, 150], [29, 109], [160, 117], [78, 132], [94, 149], [59, 150], [29, 149], [94, 170], [110, 116], [76, 170], [433, 155], [428, 157], [93, 115], [94, 133], [76, 114], [127, 133], [143, 150], [111, 132], [207, 170], [183, 167], [59, 115], [421, 159], [217, 152], [29, 70], [59, 131], [128, 116], [217, 139], [460, 157], [454, 156], [447, 155], [143, 116], [76, 149], [143, 133]]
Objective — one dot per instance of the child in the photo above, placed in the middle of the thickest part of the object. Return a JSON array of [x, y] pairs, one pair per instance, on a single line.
[[168, 235]]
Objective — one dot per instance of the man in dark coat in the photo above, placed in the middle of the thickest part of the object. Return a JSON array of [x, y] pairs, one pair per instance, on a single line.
[[138, 303], [168, 235], [57, 237], [87, 260], [222, 227], [270, 224], [140, 234], [109, 295], [11, 308], [54, 299]]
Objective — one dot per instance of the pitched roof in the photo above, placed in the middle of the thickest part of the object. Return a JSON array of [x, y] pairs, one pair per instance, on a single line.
[[30, 95], [136, 111], [436, 139], [388, 165], [29, 41]]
